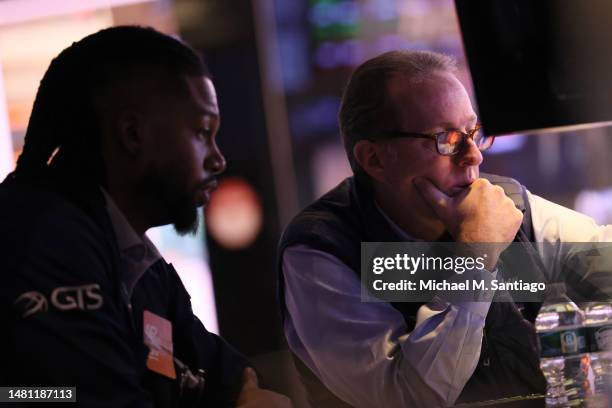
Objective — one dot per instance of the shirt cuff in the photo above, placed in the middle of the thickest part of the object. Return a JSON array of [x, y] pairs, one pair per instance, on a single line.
[[476, 301]]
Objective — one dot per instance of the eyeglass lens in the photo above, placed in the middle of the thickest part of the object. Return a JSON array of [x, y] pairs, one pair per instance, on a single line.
[[452, 141]]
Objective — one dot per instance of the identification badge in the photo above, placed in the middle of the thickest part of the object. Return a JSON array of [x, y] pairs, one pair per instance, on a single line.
[[158, 337]]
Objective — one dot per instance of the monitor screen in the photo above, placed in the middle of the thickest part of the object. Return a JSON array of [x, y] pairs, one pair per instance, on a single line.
[[541, 65]]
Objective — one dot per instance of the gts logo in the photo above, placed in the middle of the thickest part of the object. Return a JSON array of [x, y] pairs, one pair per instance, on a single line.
[[65, 298]]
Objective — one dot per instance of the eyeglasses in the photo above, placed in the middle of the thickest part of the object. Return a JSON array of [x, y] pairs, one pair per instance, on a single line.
[[450, 142]]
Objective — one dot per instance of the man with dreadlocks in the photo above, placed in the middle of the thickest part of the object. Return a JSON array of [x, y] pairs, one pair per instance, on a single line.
[[121, 139]]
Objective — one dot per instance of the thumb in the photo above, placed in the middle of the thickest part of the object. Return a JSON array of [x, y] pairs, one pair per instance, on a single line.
[[433, 196], [249, 379]]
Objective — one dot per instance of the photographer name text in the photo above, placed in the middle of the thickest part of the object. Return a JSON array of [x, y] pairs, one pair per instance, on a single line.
[[466, 285]]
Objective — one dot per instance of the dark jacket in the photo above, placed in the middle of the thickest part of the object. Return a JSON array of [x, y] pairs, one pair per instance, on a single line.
[[66, 322]]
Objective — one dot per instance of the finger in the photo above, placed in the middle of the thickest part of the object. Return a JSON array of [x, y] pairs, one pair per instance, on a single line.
[[249, 379], [435, 198]]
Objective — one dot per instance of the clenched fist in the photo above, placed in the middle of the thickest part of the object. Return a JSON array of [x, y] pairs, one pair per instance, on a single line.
[[480, 214]]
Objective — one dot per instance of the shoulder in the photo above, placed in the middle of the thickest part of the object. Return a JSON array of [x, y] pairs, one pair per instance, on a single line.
[[38, 224], [332, 211], [328, 222], [32, 208]]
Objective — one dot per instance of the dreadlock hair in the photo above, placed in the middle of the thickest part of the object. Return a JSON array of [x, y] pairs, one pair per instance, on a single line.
[[64, 130]]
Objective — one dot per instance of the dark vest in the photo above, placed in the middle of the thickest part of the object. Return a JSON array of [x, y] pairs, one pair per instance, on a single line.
[[339, 221]]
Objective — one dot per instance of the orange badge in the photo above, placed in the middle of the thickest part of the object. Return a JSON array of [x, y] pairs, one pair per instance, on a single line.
[[158, 337]]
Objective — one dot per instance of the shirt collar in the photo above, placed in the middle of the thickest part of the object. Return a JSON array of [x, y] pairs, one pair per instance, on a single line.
[[130, 245]]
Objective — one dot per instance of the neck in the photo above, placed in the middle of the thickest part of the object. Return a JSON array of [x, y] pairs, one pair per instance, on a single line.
[[133, 210], [415, 219]]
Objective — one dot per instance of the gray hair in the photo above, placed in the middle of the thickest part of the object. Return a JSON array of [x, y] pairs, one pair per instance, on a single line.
[[365, 104]]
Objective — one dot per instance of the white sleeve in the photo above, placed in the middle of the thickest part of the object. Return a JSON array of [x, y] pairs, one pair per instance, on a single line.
[[553, 223], [362, 351], [566, 237]]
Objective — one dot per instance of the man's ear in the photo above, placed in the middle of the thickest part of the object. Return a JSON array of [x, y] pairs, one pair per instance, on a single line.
[[369, 156], [130, 132]]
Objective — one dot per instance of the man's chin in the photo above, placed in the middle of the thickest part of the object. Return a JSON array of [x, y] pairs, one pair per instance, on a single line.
[[457, 189], [187, 223], [202, 197], [183, 230]]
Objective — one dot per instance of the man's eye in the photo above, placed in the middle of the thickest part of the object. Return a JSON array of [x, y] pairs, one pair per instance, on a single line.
[[204, 133]]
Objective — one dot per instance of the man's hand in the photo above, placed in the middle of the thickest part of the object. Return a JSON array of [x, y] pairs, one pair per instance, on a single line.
[[251, 396], [480, 214]]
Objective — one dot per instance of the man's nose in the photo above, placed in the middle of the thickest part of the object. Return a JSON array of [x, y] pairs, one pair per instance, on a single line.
[[470, 156], [215, 162]]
